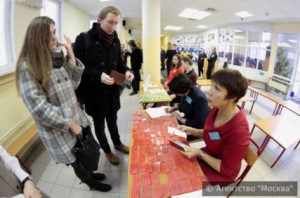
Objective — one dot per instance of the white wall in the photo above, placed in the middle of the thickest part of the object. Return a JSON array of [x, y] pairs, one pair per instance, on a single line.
[[74, 21]]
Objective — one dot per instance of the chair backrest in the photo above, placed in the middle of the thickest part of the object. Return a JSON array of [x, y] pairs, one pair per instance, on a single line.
[[250, 159]]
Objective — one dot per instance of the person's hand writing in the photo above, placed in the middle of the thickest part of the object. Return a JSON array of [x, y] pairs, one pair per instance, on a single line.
[[129, 76], [75, 128], [69, 49], [30, 191], [168, 109], [177, 115], [190, 152], [106, 79]]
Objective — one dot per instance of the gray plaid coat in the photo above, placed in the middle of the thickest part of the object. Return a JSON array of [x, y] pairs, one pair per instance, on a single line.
[[54, 108]]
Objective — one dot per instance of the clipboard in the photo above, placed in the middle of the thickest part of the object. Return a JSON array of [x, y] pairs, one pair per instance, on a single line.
[[119, 77]]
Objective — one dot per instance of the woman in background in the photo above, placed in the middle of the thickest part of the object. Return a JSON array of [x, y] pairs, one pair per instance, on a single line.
[[176, 68], [226, 130], [46, 82]]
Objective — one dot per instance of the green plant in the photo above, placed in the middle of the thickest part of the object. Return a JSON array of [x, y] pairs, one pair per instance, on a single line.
[[281, 67]]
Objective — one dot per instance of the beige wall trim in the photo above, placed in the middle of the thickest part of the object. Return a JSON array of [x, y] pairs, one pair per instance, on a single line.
[[16, 131], [7, 79]]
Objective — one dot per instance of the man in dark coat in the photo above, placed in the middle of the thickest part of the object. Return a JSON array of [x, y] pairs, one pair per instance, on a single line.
[[136, 64], [101, 94], [162, 59], [211, 62], [201, 58]]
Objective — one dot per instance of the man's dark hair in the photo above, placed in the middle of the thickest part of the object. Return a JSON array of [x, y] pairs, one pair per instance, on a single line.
[[180, 84], [188, 60], [233, 81], [132, 43]]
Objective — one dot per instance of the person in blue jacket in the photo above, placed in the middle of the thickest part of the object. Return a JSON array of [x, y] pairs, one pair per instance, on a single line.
[[193, 103]]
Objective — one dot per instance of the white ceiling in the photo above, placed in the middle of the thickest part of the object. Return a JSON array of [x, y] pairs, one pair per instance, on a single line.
[[269, 11]]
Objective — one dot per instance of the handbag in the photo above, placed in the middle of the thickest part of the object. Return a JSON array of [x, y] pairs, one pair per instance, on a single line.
[[87, 150]]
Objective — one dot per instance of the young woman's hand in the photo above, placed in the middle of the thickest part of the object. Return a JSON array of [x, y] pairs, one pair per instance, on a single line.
[[75, 128], [68, 46]]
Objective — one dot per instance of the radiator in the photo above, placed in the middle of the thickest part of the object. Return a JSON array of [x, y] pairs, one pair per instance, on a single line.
[[279, 85]]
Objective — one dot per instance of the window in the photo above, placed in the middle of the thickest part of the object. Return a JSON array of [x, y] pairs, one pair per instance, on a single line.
[[3, 60], [7, 56], [286, 54], [51, 8]]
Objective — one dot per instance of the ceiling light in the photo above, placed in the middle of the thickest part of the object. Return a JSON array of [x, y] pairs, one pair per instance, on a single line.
[[292, 41], [106, 0], [243, 14], [238, 31], [193, 14], [239, 37], [202, 26], [170, 27], [283, 45]]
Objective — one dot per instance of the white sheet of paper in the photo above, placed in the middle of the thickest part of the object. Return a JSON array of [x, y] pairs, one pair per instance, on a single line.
[[157, 90], [177, 132], [199, 144], [157, 112], [147, 82], [195, 194]]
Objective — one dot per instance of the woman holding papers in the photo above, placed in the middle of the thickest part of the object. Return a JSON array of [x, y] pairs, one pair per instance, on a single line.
[[226, 130], [193, 103]]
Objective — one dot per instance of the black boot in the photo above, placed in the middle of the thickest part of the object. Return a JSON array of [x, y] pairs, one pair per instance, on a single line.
[[98, 176], [87, 178], [95, 185]]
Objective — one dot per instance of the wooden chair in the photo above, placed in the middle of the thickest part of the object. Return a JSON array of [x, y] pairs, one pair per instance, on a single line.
[[250, 159]]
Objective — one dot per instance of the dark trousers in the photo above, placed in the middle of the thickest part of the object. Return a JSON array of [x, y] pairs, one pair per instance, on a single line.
[[136, 81], [163, 64], [209, 70], [111, 121], [200, 69]]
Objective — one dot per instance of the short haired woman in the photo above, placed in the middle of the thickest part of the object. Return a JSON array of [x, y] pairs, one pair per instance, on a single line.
[[226, 130], [192, 102]]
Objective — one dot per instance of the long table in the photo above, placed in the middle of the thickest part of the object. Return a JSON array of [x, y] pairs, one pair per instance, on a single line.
[[154, 94], [203, 82], [285, 132], [156, 169], [255, 92]]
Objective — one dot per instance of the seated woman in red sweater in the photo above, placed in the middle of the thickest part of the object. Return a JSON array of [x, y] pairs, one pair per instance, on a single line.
[[176, 69], [226, 130]]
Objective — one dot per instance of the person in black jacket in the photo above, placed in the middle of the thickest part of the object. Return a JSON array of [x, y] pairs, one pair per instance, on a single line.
[[201, 58], [169, 56], [211, 62], [136, 64], [102, 95], [162, 59], [193, 103]]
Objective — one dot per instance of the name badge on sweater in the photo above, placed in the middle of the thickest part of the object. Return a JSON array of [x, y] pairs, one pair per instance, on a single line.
[[214, 135], [188, 100]]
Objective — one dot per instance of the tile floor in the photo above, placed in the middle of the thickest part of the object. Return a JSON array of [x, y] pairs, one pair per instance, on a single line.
[[59, 181]]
